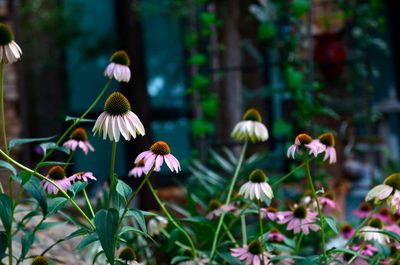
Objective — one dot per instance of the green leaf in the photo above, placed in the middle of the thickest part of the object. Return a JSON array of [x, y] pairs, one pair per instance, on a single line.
[[48, 225], [106, 222], [26, 242], [8, 166], [25, 176], [229, 259], [123, 189], [177, 259], [3, 244], [197, 59], [210, 105], [5, 211], [54, 146], [16, 142], [127, 229], [70, 118], [281, 128], [35, 189], [202, 127], [52, 163], [139, 217], [332, 223], [87, 240], [267, 30], [78, 186], [56, 204]]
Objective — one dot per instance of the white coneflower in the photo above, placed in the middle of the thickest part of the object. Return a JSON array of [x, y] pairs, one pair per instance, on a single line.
[[118, 119], [119, 67], [158, 153], [40, 260], [10, 52], [250, 128], [79, 138], [128, 256], [390, 190], [156, 225], [373, 232], [257, 187], [56, 174]]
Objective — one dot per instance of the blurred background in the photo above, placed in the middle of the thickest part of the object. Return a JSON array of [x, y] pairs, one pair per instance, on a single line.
[[197, 65]]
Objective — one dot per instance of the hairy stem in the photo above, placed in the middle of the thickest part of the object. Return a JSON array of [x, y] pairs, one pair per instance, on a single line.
[[113, 179]]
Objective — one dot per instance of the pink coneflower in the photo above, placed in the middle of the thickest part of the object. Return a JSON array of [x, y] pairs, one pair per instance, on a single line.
[[302, 141], [138, 170], [345, 258], [347, 230], [250, 128], [215, 209], [56, 174], [10, 52], [79, 138], [158, 153], [395, 228], [257, 187], [367, 250], [364, 210], [385, 215], [328, 140], [373, 232], [252, 254], [82, 176], [118, 119], [300, 219], [271, 213], [275, 236], [119, 67], [281, 257], [327, 200]]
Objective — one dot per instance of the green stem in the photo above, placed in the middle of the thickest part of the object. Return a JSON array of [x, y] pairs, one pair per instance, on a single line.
[[172, 219], [77, 121], [231, 237], [71, 155], [89, 205], [320, 214], [5, 147], [298, 243], [181, 245], [261, 229], [52, 182], [361, 225], [33, 233], [289, 174], [113, 180], [228, 199], [244, 228]]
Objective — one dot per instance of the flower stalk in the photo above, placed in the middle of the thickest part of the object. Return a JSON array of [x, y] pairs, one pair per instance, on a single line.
[[320, 214], [228, 199], [113, 179]]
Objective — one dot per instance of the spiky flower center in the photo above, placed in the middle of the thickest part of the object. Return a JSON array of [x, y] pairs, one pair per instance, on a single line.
[[255, 247], [121, 57], [304, 138], [79, 134], [376, 222], [327, 139], [300, 212], [56, 173], [393, 181], [366, 207], [257, 176], [346, 228], [140, 163], [252, 115], [6, 34], [40, 260], [127, 254], [384, 212], [160, 148], [117, 104], [272, 210], [274, 230], [214, 205]]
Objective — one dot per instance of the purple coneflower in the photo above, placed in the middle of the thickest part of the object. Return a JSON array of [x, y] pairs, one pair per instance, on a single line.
[[118, 119], [327, 200], [300, 219], [367, 250], [252, 254], [301, 141], [10, 52], [328, 140], [82, 176], [364, 210], [271, 213], [275, 236], [119, 67], [216, 208], [56, 174], [79, 138], [347, 231], [138, 170], [250, 128], [158, 153]]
